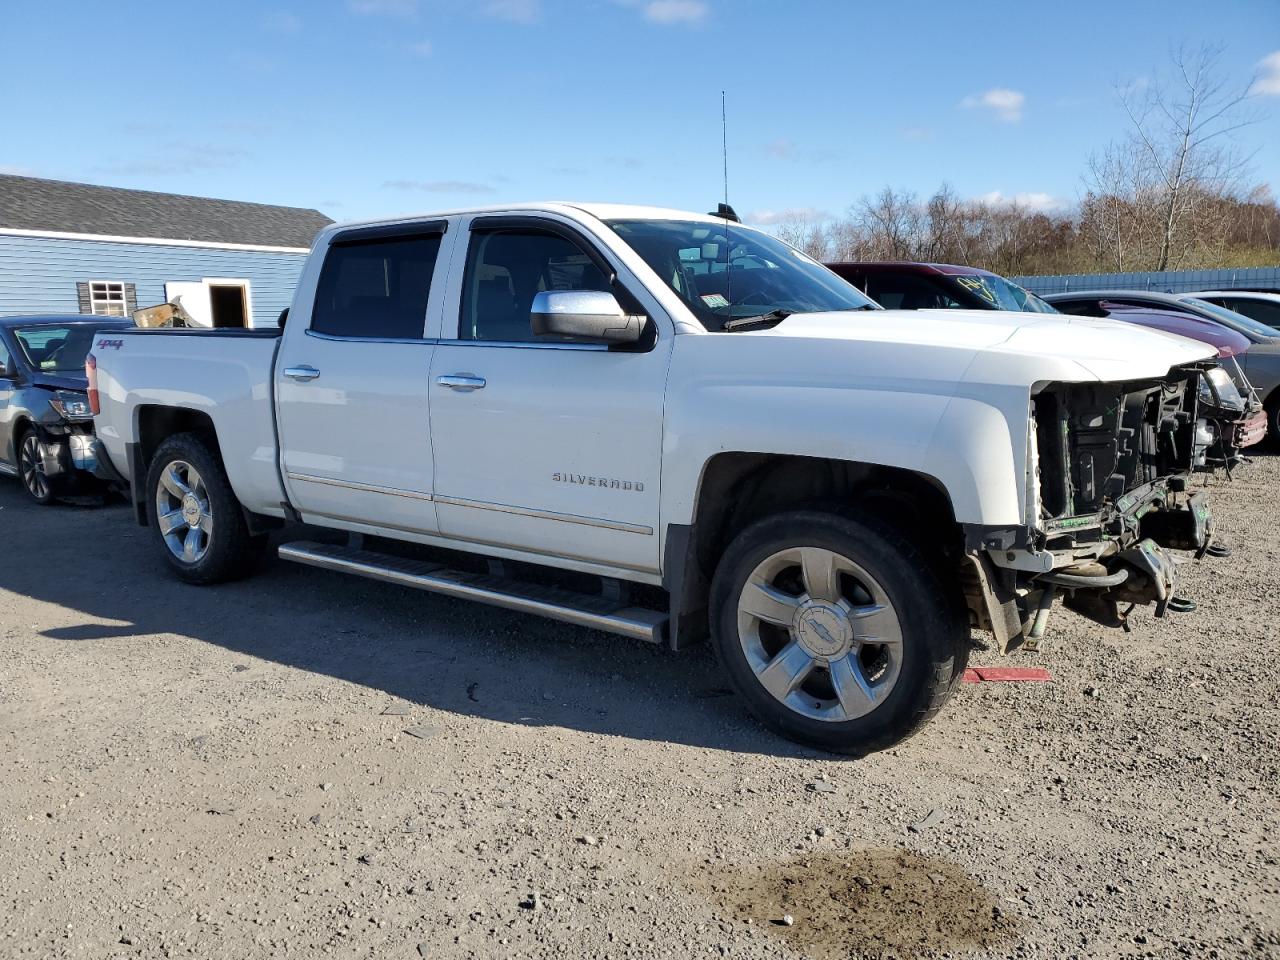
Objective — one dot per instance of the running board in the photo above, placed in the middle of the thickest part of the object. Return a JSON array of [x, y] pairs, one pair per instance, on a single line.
[[583, 609]]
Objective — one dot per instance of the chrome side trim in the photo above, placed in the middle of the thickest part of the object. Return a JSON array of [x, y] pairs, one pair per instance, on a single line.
[[547, 515], [642, 624], [527, 345], [366, 487], [329, 336], [456, 342], [7, 470]]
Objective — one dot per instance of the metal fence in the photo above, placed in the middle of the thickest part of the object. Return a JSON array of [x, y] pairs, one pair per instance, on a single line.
[[1168, 281]]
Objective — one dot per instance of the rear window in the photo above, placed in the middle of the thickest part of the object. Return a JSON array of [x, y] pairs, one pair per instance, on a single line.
[[56, 348], [376, 288]]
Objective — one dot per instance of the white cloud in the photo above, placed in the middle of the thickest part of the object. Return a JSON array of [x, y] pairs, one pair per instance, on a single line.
[[283, 22], [515, 11], [675, 11], [667, 12], [423, 48], [16, 171], [1007, 104], [1268, 82], [1035, 202], [781, 148], [384, 8], [178, 157], [917, 134], [440, 186], [771, 218]]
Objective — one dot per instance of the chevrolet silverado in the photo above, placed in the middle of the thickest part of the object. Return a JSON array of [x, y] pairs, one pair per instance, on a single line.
[[670, 426]]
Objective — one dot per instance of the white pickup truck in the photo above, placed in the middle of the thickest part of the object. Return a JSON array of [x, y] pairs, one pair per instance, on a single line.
[[668, 426]]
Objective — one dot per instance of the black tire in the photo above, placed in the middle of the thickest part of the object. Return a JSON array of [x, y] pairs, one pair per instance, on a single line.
[[31, 475], [232, 551], [935, 636]]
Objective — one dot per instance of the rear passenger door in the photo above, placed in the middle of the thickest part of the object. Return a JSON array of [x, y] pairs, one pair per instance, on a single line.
[[352, 397]]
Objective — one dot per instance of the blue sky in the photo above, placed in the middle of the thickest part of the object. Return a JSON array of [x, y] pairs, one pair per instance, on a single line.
[[368, 107]]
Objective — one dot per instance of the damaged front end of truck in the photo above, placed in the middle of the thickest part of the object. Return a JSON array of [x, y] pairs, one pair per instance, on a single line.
[[1109, 471]]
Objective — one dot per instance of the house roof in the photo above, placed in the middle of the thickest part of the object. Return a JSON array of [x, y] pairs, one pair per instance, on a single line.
[[57, 206]]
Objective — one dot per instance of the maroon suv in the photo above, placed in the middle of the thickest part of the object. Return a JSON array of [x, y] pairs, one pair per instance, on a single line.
[[904, 285]]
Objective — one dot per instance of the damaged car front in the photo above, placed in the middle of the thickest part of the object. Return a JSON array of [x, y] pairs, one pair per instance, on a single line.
[[1109, 509], [46, 424]]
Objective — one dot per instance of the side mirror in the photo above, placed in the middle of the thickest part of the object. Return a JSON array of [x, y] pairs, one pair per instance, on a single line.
[[587, 316]]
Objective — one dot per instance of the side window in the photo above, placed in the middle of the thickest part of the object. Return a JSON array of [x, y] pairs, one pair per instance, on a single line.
[[376, 288], [6, 365], [1265, 311], [506, 268], [905, 292]]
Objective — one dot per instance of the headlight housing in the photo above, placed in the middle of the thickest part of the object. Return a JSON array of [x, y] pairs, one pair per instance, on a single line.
[[1219, 381], [71, 406]]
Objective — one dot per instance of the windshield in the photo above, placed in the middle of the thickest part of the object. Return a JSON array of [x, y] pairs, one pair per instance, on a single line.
[[56, 348], [723, 271], [1236, 321], [1001, 294]]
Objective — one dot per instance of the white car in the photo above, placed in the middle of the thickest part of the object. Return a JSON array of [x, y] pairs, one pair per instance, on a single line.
[[1255, 304], [668, 426]]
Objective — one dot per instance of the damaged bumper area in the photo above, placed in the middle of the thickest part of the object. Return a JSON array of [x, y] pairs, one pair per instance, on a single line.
[[69, 455], [1109, 469]]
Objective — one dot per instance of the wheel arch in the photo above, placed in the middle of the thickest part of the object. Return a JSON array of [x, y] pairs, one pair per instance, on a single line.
[[737, 488]]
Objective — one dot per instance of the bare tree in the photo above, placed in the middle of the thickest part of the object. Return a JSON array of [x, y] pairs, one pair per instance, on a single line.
[[891, 224], [805, 230], [1181, 145]]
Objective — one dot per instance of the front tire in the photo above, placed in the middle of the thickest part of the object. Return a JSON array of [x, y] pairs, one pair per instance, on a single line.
[[195, 515], [836, 630], [31, 469]]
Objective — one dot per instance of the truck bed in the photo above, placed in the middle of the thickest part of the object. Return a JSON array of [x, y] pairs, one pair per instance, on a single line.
[[223, 375]]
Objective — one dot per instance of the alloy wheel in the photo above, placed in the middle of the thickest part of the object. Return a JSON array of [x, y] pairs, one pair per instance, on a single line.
[[183, 512], [820, 633], [31, 464]]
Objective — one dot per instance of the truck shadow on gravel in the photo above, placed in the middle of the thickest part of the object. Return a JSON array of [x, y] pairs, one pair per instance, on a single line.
[[447, 654]]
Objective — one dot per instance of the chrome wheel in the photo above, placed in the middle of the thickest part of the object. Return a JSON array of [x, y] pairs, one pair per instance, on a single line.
[[31, 464], [183, 511], [820, 634]]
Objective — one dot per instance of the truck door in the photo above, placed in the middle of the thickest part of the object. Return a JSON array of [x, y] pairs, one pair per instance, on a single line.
[[351, 387], [550, 447]]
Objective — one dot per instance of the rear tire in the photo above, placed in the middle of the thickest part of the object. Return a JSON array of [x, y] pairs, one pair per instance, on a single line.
[[194, 514], [836, 630], [31, 469]]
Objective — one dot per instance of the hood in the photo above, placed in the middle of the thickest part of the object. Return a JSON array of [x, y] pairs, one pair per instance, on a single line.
[[60, 381], [1106, 349]]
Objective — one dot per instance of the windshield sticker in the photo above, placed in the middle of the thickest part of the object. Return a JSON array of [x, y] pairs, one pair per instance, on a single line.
[[715, 301], [978, 285]]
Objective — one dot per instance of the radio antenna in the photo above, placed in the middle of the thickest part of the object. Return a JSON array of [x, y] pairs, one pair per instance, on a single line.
[[724, 146], [726, 211]]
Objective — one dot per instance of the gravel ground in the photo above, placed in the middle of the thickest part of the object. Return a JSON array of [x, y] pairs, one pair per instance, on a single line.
[[302, 764]]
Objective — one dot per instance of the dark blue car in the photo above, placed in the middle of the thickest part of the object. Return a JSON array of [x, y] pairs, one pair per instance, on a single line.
[[46, 426]]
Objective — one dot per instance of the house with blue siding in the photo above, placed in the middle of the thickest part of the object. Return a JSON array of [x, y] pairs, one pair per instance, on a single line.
[[80, 248]]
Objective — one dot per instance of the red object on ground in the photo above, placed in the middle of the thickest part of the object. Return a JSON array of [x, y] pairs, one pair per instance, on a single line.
[[1007, 675]]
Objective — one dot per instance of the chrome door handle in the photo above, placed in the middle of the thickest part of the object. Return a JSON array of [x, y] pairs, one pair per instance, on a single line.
[[303, 372], [461, 381]]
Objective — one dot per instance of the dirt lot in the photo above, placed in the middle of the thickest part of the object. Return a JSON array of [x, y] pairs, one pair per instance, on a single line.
[[302, 764]]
